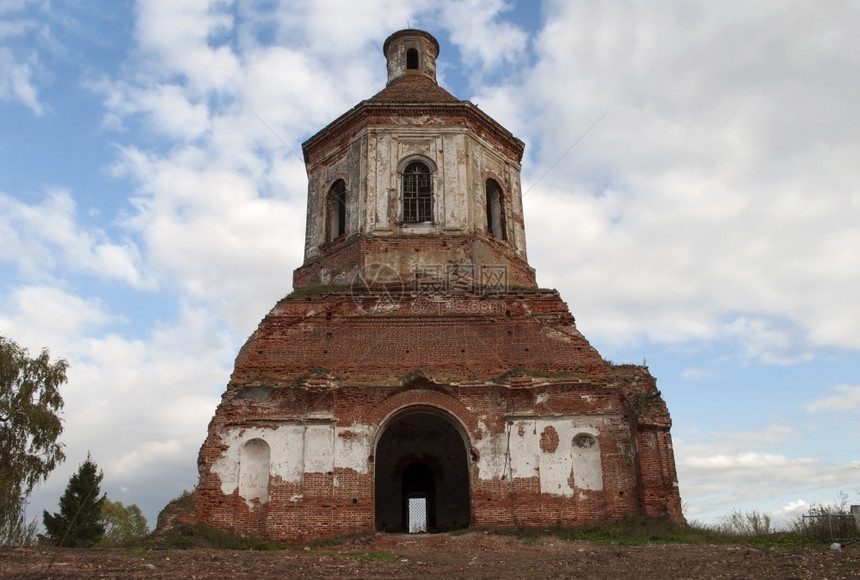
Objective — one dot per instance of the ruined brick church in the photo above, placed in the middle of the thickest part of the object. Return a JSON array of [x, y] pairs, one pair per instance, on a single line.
[[417, 378]]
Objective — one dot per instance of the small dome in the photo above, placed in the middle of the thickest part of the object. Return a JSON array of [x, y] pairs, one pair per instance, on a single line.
[[411, 52]]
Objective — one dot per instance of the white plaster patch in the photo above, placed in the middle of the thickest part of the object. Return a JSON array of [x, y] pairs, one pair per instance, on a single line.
[[352, 447], [554, 472], [319, 448], [285, 448], [555, 465], [492, 451], [294, 449], [521, 455], [524, 449]]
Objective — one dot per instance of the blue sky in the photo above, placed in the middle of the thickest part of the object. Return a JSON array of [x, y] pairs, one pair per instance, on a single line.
[[707, 224]]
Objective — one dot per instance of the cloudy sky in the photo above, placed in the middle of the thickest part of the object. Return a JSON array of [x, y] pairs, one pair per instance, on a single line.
[[152, 208]]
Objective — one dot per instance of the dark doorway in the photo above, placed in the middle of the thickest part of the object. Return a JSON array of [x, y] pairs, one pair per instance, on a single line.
[[419, 498], [421, 463]]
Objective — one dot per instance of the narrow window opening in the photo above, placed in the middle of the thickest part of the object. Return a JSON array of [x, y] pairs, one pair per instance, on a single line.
[[417, 193], [337, 210], [495, 211], [412, 59]]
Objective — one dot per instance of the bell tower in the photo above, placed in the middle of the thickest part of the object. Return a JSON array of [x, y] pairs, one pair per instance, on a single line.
[[446, 390], [413, 182]]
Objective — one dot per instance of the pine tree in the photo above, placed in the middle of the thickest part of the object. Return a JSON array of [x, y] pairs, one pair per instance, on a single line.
[[79, 523]]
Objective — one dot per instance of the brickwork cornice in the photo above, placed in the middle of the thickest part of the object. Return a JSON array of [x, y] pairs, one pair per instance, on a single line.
[[379, 115]]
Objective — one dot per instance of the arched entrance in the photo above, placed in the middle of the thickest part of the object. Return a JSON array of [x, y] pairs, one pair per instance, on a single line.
[[421, 474]]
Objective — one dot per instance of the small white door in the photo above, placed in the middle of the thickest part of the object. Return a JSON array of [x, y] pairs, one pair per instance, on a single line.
[[417, 515]]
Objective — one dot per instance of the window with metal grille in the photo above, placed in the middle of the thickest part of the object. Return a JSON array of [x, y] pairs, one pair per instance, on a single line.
[[417, 193]]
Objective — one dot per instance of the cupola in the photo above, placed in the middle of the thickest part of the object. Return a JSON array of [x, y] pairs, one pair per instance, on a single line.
[[411, 52]]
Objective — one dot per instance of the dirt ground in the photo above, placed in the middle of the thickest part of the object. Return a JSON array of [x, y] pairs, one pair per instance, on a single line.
[[471, 555]]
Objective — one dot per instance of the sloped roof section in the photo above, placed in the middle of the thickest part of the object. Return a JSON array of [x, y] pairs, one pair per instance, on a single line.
[[413, 89]]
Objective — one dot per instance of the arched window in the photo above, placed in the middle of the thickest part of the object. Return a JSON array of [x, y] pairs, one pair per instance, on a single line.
[[254, 460], [412, 59], [495, 211], [336, 210], [417, 193]]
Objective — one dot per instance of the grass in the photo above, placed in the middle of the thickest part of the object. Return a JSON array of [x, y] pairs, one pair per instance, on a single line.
[[329, 543], [737, 529], [185, 536], [374, 556]]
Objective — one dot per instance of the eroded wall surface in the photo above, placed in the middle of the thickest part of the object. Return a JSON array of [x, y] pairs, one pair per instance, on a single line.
[[547, 432]]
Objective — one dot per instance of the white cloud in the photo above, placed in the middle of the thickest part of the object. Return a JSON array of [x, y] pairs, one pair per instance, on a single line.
[[19, 62], [791, 510], [722, 475], [16, 81], [846, 399], [340, 31], [695, 374], [741, 461], [717, 200], [483, 38], [41, 239], [208, 229], [758, 438], [182, 38], [171, 112], [45, 316], [141, 406]]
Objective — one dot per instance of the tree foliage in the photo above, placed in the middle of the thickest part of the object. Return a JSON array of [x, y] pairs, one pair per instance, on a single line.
[[79, 523], [122, 523], [30, 426]]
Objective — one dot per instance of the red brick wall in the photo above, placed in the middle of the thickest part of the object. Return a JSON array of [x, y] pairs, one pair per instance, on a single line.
[[480, 368]]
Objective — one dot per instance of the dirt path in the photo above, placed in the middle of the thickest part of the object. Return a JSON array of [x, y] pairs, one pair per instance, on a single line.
[[472, 555]]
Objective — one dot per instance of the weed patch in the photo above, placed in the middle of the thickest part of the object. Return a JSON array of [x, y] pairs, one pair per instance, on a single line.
[[739, 529], [186, 536], [374, 556]]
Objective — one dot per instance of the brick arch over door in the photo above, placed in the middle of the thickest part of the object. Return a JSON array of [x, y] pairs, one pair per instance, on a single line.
[[423, 397]]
